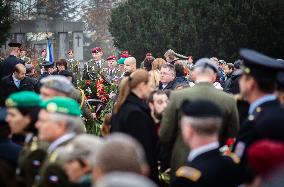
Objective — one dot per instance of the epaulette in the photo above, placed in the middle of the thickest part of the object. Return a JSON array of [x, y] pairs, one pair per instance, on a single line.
[[189, 173]]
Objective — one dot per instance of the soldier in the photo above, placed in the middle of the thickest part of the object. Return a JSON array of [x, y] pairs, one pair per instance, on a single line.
[[206, 165], [111, 72], [23, 56], [42, 57], [9, 63], [23, 108], [59, 122], [204, 74], [73, 64], [93, 67], [60, 86]]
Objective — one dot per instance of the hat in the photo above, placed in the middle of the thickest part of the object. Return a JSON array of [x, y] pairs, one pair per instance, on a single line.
[[14, 44], [96, 50], [62, 105], [206, 62], [23, 99], [238, 63], [200, 109], [260, 65], [148, 54], [57, 82], [125, 54], [43, 50], [280, 80], [121, 61], [70, 51], [265, 156], [111, 57], [124, 179]]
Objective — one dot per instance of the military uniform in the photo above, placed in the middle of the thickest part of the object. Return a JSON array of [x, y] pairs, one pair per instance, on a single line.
[[210, 168], [73, 66], [93, 68], [111, 74]]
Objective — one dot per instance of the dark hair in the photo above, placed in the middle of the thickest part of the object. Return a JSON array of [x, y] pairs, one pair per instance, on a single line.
[[4, 130], [158, 92], [179, 70], [33, 113], [265, 84], [62, 62], [148, 63], [231, 66]]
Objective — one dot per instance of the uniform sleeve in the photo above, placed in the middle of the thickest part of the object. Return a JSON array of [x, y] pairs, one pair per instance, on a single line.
[[169, 127]]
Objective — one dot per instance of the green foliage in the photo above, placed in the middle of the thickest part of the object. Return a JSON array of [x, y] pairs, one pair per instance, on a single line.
[[5, 22], [199, 27]]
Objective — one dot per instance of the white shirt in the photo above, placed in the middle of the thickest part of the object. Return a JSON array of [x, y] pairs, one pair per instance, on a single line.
[[203, 149], [59, 141]]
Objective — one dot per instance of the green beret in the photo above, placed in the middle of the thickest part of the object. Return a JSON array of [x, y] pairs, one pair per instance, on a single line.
[[62, 105], [121, 61], [23, 99]]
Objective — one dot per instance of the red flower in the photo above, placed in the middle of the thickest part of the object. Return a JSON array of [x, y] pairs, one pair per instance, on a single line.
[[88, 82]]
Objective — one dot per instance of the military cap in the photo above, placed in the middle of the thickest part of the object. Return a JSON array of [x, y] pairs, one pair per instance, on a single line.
[[62, 105], [70, 51], [23, 99], [206, 62], [111, 57], [14, 44], [121, 61], [222, 62], [200, 108], [280, 80], [57, 82], [259, 65], [125, 54], [96, 50], [43, 50]]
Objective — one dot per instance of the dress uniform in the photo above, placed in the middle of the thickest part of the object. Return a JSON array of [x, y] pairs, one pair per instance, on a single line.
[[26, 59], [73, 65], [206, 165], [51, 173], [34, 151], [92, 68], [111, 73]]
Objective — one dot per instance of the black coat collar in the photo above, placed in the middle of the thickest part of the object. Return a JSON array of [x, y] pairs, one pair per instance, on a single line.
[[134, 99]]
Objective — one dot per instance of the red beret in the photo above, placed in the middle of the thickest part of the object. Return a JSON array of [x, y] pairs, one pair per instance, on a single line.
[[111, 57], [149, 54], [96, 50], [70, 51], [265, 156], [43, 50], [125, 54]]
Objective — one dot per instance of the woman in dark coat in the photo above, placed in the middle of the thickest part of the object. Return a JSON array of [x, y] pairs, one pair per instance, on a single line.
[[132, 116]]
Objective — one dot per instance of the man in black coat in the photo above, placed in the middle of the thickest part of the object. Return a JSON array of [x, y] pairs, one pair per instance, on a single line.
[[16, 82], [167, 77], [9, 63], [134, 119], [206, 164]]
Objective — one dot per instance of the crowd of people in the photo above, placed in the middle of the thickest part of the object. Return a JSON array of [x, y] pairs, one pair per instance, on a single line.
[[201, 122]]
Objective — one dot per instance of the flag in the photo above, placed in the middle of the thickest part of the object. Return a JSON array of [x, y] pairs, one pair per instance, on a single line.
[[49, 51]]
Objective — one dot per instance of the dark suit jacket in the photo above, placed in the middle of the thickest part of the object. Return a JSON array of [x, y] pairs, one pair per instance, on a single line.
[[9, 152], [134, 119], [8, 87], [214, 169], [170, 86]]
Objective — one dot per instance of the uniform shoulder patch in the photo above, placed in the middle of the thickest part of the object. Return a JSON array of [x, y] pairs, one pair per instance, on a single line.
[[189, 173]]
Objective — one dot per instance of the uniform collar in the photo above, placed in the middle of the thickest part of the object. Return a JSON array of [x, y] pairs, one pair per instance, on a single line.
[[203, 149], [59, 141], [258, 102]]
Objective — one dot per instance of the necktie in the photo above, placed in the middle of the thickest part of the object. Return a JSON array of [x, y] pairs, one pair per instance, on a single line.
[[17, 82]]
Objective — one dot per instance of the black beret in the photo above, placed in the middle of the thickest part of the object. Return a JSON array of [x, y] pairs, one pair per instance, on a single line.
[[200, 108]]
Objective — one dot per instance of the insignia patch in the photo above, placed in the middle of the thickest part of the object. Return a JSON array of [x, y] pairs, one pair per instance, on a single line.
[[53, 179], [258, 109], [240, 148], [33, 146], [189, 173], [53, 157], [51, 107]]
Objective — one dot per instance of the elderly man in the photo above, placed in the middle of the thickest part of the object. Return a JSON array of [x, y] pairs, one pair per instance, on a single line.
[[111, 157], [204, 74], [129, 65], [57, 85], [167, 77], [74, 160], [206, 165], [16, 82], [59, 122]]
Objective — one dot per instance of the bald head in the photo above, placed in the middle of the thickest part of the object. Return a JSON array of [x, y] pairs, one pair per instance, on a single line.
[[130, 64], [19, 71]]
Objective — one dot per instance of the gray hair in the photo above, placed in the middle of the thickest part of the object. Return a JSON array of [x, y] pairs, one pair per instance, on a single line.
[[204, 71], [203, 125], [170, 67]]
